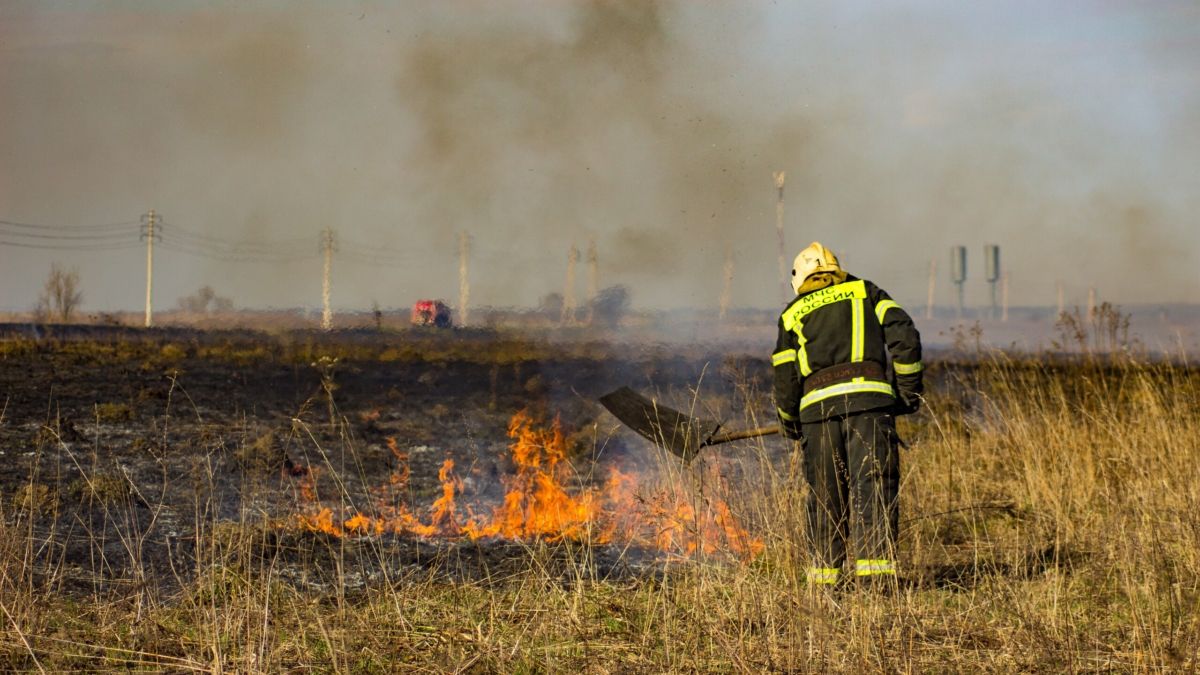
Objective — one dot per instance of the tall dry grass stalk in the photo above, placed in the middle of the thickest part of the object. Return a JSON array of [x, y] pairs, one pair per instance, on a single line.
[[1050, 523]]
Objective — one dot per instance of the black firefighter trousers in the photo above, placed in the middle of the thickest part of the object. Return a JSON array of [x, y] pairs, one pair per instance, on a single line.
[[852, 467]]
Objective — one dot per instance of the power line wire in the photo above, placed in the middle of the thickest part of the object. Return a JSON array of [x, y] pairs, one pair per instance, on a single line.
[[178, 239], [67, 237], [73, 247], [231, 255], [68, 228]]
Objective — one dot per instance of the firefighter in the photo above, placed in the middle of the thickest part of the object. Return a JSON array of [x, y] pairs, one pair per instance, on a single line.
[[835, 396]]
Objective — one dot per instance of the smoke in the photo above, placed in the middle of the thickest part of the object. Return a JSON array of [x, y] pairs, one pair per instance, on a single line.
[[590, 128], [243, 82], [655, 128]]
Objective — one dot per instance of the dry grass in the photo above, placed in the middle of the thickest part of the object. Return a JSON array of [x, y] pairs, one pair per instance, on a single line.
[[1051, 524]]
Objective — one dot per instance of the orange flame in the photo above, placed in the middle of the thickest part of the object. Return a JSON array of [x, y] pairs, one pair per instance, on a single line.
[[543, 500]]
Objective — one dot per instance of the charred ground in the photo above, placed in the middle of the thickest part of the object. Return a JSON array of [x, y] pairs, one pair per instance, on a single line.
[[121, 448]]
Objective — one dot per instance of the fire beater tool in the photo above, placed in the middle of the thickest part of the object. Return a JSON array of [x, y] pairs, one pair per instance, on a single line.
[[680, 434]]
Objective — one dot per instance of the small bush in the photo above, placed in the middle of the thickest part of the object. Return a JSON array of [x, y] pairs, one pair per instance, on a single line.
[[114, 413], [265, 455], [174, 352], [535, 386], [99, 489], [35, 498]]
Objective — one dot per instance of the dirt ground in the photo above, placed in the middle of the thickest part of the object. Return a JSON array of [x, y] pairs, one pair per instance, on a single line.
[[121, 449]]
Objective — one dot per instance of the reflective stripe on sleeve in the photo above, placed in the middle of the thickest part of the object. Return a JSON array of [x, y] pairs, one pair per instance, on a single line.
[[857, 330], [907, 368], [823, 575], [845, 389], [865, 568], [882, 308], [786, 417], [785, 356]]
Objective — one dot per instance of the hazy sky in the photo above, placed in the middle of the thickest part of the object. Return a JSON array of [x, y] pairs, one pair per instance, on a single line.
[[1068, 133]]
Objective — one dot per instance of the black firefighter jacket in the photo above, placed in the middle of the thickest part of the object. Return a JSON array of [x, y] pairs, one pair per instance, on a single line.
[[831, 357]]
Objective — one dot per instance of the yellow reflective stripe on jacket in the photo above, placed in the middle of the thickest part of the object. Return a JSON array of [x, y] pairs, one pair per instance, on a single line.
[[802, 351], [785, 356], [857, 330], [865, 568], [859, 386], [907, 368], [823, 575], [826, 296], [786, 417], [882, 308], [802, 357]]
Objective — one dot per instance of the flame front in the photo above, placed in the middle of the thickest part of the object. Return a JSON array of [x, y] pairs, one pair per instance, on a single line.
[[543, 500]]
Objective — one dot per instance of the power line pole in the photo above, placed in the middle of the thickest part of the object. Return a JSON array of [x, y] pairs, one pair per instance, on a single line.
[[464, 289], [785, 285], [724, 299], [932, 277], [568, 308], [327, 313], [150, 231], [592, 281]]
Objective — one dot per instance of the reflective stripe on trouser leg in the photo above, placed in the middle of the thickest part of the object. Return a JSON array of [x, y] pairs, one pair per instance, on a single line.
[[866, 568], [823, 575]]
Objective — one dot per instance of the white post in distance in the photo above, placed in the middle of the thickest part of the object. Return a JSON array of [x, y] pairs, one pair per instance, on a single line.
[[932, 278], [150, 231], [326, 290]]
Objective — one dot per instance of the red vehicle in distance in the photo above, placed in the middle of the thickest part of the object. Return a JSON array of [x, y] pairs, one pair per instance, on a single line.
[[431, 313]]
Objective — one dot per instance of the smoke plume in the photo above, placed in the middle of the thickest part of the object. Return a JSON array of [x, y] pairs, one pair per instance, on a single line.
[[655, 128]]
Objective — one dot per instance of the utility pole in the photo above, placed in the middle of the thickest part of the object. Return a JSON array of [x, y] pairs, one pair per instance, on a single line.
[[592, 290], [785, 284], [568, 308], [327, 313], [1091, 303], [724, 299], [932, 278], [464, 289], [150, 231], [1060, 298], [958, 273]]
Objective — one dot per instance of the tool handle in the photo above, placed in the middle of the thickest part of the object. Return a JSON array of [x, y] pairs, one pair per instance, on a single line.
[[739, 435]]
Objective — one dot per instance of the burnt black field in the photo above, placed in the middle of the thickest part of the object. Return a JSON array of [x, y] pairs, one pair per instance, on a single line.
[[122, 448]]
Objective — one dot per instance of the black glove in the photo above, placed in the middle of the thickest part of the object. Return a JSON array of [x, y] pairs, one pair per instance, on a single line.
[[907, 403], [790, 430]]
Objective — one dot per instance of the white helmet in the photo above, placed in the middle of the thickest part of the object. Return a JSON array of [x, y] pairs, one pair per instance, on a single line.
[[816, 258]]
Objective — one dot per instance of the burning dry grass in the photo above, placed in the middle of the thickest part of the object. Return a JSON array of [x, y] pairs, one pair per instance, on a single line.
[[1051, 523], [544, 500]]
